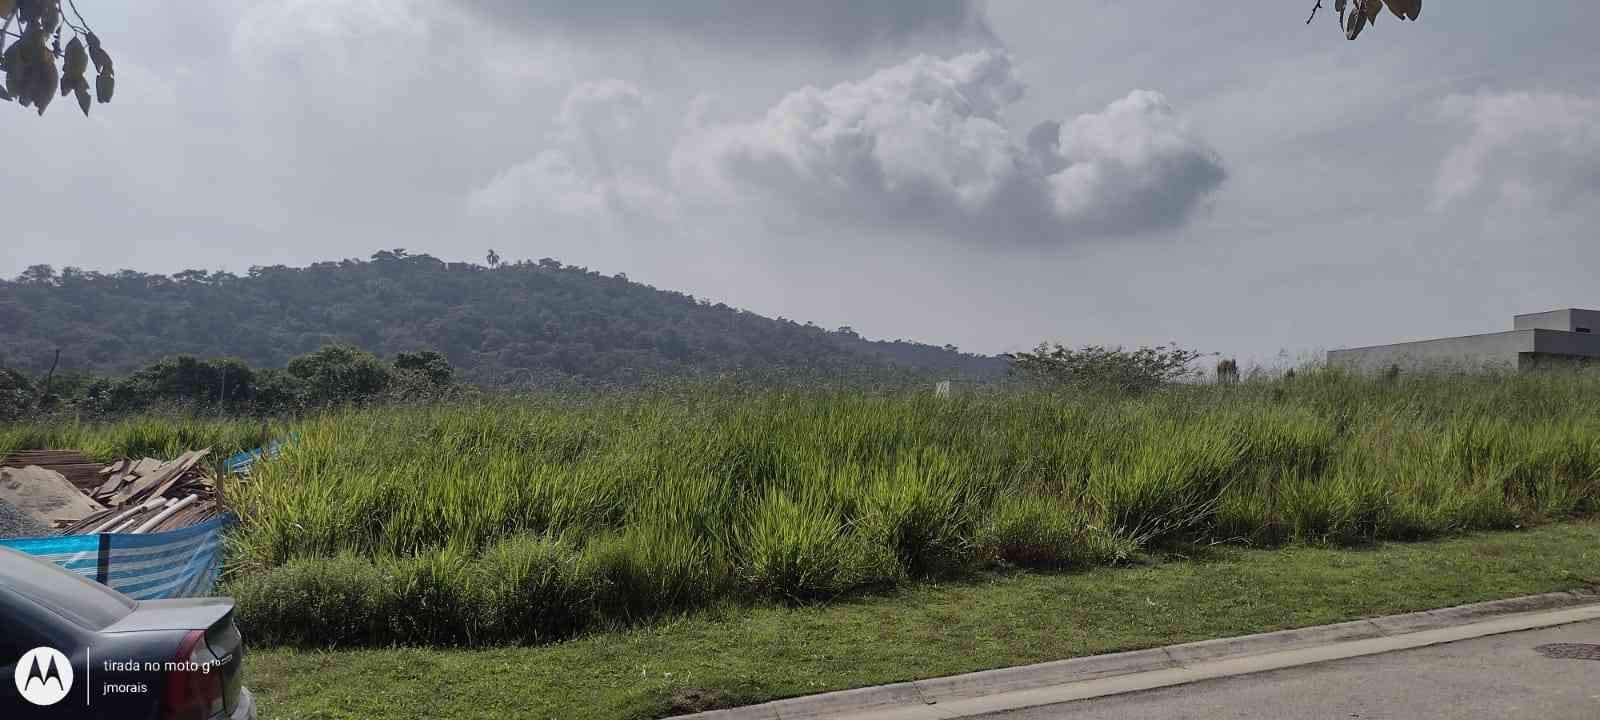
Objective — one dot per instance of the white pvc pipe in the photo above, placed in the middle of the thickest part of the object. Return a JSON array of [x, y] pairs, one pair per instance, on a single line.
[[164, 514], [151, 505], [125, 514]]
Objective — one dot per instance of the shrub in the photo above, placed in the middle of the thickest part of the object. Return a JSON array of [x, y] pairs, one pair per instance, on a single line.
[[531, 588], [652, 568], [1038, 532], [1096, 367], [434, 598], [1171, 485], [1348, 508], [323, 602], [800, 549], [921, 512]]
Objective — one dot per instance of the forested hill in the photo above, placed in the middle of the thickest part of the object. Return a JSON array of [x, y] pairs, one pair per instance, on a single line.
[[513, 324]]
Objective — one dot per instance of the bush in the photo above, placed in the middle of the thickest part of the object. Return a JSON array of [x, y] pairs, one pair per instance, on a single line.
[[1171, 484], [322, 602], [652, 568], [434, 597], [921, 512], [17, 395], [1047, 533], [1096, 367], [800, 550], [532, 588]]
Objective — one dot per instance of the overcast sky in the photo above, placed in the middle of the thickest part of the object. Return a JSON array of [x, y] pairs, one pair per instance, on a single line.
[[984, 174]]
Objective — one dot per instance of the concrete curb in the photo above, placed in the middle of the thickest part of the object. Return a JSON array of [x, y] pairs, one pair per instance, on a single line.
[[1079, 678]]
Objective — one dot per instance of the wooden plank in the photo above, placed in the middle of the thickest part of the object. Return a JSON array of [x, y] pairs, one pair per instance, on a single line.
[[115, 481], [148, 481], [163, 487], [73, 465], [163, 478]]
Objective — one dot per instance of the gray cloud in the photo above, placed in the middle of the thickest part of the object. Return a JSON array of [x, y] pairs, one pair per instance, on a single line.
[[597, 166], [1524, 149], [922, 147], [1135, 166], [834, 25]]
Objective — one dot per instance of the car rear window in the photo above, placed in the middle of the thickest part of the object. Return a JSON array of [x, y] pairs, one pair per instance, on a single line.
[[76, 597]]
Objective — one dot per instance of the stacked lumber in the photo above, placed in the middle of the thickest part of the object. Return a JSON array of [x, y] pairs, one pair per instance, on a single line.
[[150, 495], [73, 465]]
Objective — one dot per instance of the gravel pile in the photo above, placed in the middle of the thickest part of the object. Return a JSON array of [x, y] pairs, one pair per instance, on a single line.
[[16, 523]]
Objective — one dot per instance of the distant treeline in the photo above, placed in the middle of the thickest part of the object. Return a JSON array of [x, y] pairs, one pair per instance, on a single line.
[[333, 375], [521, 324]]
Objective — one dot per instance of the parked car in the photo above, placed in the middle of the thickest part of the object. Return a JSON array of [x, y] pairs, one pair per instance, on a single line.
[[124, 659]]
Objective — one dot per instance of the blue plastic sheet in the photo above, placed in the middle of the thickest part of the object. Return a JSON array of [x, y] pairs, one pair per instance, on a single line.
[[241, 462], [174, 564]]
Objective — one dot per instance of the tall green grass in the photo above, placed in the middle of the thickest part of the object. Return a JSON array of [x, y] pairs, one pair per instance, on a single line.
[[517, 520], [163, 436]]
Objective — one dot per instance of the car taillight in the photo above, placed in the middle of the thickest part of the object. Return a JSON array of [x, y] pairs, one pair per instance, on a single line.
[[193, 689]]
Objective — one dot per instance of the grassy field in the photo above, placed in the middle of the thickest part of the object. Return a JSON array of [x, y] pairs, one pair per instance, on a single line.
[[732, 656], [163, 436], [528, 520]]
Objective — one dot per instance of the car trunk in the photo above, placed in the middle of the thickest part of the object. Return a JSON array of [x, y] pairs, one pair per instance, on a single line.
[[228, 646], [223, 646]]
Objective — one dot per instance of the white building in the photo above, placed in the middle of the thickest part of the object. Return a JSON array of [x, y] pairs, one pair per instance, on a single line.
[[1546, 339]]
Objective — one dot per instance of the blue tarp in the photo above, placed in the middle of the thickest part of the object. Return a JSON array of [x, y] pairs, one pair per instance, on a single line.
[[172, 564], [241, 462]]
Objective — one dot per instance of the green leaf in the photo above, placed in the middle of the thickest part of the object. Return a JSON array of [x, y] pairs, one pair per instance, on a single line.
[[15, 71], [1405, 9], [102, 59], [50, 17], [82, 90], [1355, 23], [42, 67], [28, 10], [103, 87], [77, 59]]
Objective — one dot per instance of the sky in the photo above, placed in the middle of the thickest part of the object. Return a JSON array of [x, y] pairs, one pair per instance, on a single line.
[[987, 174]]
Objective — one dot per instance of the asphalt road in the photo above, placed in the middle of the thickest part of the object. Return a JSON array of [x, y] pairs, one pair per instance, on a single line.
[[1500, 676]]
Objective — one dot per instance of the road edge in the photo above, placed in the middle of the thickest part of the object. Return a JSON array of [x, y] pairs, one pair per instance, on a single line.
[[964, 695]]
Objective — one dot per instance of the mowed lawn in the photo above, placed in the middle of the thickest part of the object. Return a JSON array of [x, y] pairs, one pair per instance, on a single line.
[[732, 655]]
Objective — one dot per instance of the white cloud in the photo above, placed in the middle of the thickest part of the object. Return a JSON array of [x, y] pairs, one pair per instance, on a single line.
[[1525, 150], [598, 165], [1133, 166], [922, 147]]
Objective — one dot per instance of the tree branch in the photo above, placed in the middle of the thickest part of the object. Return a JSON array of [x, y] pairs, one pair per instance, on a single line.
[[1314, 10], [85, 23]]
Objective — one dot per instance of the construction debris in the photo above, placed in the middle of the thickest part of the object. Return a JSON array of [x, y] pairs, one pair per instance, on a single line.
[[15, 523], [76, 467], [128, 496], [46, 495]]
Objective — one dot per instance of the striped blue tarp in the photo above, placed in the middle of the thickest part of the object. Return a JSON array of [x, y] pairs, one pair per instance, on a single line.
[[241, 463], [174, 564]]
